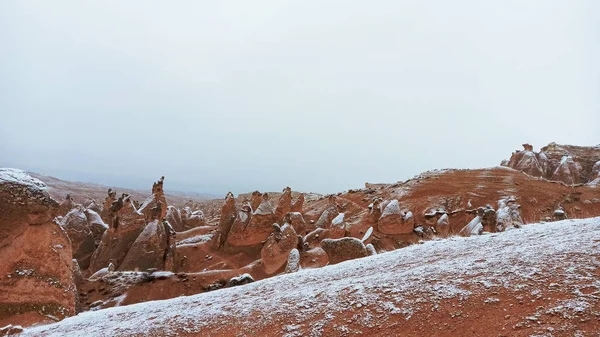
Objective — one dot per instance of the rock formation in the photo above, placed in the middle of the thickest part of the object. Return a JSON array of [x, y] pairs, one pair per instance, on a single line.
[[106, 214], [155, 207], [284, 205], [127, 224], [392, 220], [569, 164], [76, 225], [298, 204], [36, 276], [276, 250], [228, 216], [293, 261], [339, 250], [66, 205], [328, 214], [151, 249], [297, 221]]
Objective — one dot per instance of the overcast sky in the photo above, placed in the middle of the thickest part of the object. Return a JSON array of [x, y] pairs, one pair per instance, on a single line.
[[318, 95]]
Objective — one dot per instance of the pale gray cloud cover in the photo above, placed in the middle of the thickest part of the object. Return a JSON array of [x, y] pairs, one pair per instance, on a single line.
[[318, 95]]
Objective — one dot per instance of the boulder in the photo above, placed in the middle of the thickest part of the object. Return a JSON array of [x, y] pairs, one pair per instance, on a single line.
[[392, 220], [442, 227], [36, 273], [560, 214], [489, 220], [293, 261], [96, 225], [343, 249], [508, 214], [371, 249], [276, 250], [472, 228]]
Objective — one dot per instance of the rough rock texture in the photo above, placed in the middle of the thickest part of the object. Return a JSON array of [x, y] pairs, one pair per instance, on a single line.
[[155, 207], [106, 214], [127, 224], [255, 200], [192, 219], [276, 250], [488, 218], [96, 225], [36, 275], [66, 205], [83, 244], [339, 250], [569, 164], [150, 250], [293, 261], [228, 216], [174, 218], [284, 205], [297, 221], [298, 204], [392, 220], [329, 213], [259, 226]]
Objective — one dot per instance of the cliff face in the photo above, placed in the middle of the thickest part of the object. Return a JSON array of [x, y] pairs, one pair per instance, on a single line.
[[572, 165], [36, 272]]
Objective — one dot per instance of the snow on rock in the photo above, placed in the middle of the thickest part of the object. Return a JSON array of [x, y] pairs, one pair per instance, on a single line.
[[16, 176], [472, 228], [382, 290]]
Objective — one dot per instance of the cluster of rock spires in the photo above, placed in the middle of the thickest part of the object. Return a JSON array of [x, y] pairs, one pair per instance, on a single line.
[[568, 164], [70, 246]]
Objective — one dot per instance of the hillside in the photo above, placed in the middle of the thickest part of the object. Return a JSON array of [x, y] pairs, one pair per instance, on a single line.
[[539, 280]]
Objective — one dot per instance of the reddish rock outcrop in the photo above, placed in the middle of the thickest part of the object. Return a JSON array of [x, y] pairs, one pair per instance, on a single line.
[[66, 205], [297, 221], [36, 276], [106, 215], [258, 227], [392, 220], [228, 216], [155, 207], [569, 164], [151, 250], [329, 213], [127, 224], [276, 250], [298, 204], [284, 205], [340, 250], [76, 225]]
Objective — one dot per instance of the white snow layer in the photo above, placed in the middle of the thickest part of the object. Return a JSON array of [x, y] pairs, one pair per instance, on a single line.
[[16, 176], [382, 286]]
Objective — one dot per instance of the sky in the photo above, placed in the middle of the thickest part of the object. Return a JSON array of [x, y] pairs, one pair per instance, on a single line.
[[321, 96]]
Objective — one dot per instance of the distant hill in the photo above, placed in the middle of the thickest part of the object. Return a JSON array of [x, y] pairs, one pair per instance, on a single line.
[[81, 191]]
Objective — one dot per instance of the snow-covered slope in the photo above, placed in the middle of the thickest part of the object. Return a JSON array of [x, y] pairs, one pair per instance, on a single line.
[[541, 279]]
